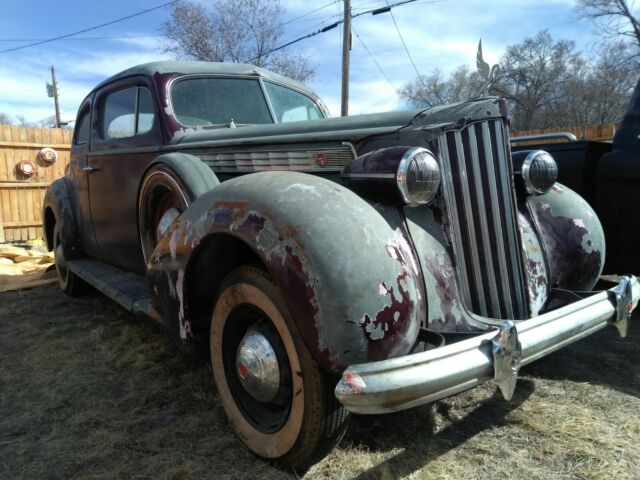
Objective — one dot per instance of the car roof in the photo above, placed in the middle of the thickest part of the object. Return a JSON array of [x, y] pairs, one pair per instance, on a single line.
[[201, 68]]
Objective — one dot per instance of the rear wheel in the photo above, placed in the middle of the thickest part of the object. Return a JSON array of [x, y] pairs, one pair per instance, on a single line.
[[278, 401], [68, 281], [163, 197]]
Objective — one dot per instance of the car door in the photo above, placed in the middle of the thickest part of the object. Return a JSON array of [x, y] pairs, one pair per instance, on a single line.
[[126, 138], [78, 175]]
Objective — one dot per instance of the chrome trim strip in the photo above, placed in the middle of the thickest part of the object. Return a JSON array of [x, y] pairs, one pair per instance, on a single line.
[[404, 382], [488, 248], [390, 176], [545, 136], [471, 228]]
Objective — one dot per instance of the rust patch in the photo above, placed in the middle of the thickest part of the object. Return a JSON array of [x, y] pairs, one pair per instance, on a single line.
[[392, 319]]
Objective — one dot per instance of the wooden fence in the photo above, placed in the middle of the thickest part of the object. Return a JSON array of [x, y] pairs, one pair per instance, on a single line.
[[21, 197], [591, 132]]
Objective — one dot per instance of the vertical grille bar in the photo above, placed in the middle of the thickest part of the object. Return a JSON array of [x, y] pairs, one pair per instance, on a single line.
[[510, 215], [481, 206], [470, 224], [484, 223]]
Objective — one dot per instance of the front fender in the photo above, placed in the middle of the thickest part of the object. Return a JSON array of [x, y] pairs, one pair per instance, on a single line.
[[345, 268], [572, 238]]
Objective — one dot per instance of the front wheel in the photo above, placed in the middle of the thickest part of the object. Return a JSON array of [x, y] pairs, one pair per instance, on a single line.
[[278, 401]]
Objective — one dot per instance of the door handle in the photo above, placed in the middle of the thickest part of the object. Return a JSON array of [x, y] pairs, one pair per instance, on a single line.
[[89, 169]]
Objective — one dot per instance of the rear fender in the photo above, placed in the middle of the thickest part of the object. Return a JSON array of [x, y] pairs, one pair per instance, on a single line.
[[345, 268], [57, 209]]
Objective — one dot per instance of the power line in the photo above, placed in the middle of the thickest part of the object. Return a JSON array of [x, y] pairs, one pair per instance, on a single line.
[[40, 42], [112, 37], [325, 29], [372, 57], [402, 40]]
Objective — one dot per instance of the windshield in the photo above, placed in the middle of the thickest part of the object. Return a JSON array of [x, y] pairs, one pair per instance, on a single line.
[[203, 101], [216, 101]]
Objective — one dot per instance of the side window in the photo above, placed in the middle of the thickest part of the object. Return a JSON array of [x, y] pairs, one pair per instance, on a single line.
[[127, 112], [291, 106], [82, 129]]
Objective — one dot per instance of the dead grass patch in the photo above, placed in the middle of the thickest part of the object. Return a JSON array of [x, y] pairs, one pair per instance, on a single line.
[[89, 391]]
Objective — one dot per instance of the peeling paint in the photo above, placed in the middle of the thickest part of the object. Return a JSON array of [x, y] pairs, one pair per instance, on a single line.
[[535, 269], [572, 237]]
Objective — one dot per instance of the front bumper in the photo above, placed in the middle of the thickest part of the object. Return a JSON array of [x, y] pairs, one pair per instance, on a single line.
[[405, 382]]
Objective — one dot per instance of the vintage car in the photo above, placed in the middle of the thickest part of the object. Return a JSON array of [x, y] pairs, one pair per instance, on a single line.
[[359, 264]]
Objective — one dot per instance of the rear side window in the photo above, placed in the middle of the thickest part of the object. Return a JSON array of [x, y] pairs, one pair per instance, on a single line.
[[127, 112], [82, 129]]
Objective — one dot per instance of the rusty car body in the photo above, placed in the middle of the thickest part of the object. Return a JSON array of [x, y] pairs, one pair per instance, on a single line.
[[319, 254]]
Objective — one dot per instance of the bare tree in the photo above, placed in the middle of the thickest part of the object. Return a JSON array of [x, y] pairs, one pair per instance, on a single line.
[[233, 31], [5, 119], [615, 18], [533, 76], [434, 89], [547, 84]]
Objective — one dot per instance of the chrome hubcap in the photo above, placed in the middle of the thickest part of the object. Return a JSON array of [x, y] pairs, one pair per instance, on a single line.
[[257, 366], [167, 218]]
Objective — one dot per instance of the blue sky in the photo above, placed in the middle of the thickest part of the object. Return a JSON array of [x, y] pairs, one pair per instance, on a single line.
[[439, 35]]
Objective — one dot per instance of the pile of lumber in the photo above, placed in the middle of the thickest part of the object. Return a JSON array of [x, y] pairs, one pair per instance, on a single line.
[[22, 268]]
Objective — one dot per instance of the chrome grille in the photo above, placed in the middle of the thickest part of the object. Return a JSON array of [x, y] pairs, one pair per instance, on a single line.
[[478, 189], [307, 159]]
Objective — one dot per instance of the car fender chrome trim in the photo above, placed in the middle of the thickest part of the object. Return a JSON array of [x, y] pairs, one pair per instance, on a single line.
[[405, 382]]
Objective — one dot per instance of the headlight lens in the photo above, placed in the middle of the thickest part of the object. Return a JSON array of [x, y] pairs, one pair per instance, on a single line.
[[418, 176], [539, 172]]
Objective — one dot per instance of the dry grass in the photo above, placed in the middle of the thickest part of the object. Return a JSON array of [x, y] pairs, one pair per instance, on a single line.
[[88, 391]]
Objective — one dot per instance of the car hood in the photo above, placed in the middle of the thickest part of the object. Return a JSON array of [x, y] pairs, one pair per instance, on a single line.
[[352, 128]]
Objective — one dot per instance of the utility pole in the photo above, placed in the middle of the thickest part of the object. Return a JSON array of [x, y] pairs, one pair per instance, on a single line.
[[54, 94], [346, 50]]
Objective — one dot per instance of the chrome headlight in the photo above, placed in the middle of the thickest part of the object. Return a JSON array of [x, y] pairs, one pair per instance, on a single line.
[[539, 172], [398, 175], [418, 176]]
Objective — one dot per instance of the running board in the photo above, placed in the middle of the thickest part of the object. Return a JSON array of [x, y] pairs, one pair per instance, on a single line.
[[130, 290]]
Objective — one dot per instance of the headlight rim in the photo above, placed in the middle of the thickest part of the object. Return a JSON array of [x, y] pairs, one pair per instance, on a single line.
[[525, 172], [401, 176]]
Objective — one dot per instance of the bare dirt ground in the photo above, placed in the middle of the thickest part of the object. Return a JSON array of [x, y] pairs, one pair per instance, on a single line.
[[89, 391]]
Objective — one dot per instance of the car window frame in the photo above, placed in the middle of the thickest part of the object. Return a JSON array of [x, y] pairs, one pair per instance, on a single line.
[[321, 107], [261, 81], [149, 138], [85, 110]]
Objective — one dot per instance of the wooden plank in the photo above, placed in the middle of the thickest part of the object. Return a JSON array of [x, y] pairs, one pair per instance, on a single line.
[[22, 224], [5, 206], [29, 214], [24, 184], [20, 144], [2, 239]]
